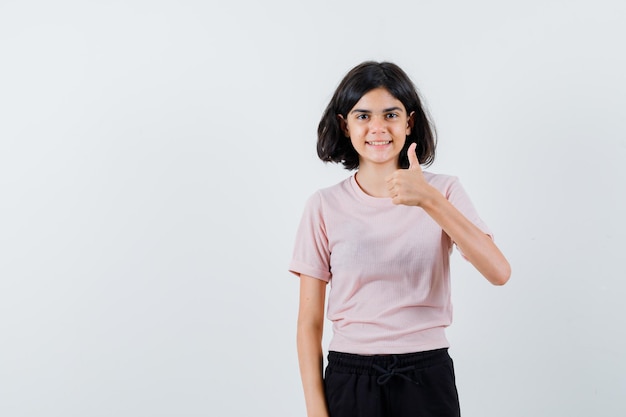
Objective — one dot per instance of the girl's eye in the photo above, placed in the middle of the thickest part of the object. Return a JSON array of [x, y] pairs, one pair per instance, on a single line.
[[392, 115], [362, 116]]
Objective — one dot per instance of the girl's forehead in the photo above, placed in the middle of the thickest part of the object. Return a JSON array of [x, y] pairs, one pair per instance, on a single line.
[[378, 99]]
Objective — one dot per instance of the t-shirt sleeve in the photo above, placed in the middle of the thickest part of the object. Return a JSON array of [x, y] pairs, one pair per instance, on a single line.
[[311, 254], [458, 197]]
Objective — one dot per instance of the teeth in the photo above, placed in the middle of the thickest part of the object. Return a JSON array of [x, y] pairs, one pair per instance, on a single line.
[[380, 142]]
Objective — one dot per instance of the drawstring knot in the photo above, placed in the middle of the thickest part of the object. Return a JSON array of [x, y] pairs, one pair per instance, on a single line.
[[392, 371]]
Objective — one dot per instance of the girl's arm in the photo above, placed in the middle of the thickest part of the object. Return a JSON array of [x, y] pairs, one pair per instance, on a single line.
[[309, 340], [476, 246], [409, 187]]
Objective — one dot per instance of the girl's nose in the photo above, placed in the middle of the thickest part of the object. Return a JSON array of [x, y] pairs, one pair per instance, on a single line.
[[377, 123]]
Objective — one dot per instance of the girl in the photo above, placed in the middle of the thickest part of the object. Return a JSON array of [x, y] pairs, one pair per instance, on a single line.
[[382, 238]]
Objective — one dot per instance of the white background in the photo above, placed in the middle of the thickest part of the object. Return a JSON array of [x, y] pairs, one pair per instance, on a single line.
[[155, 157]]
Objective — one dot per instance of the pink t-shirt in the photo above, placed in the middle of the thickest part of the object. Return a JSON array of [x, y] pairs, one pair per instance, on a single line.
[[388, 266]]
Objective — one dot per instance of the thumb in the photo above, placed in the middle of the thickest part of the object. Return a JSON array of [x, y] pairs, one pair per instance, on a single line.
[[414, 163]]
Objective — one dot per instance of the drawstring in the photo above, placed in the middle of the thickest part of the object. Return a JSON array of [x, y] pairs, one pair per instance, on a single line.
[[392, 371]]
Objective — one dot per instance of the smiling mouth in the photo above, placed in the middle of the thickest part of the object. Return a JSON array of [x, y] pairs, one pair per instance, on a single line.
[[379, 142]]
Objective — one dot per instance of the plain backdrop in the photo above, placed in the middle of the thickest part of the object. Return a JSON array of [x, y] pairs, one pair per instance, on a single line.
[[155, 157]]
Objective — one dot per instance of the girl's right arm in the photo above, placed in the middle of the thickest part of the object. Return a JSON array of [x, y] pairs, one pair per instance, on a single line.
[[309, 340]]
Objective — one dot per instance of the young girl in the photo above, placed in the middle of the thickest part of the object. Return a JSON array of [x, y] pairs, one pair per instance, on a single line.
[[382, 238]]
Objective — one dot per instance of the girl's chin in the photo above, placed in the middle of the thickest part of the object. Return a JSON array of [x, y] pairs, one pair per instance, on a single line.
[[379, 160]]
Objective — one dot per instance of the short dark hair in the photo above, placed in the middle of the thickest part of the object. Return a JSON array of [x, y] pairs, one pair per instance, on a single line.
[[332, 145]]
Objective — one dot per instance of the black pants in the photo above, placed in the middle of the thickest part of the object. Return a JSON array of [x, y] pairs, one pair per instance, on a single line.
[[408, 385]]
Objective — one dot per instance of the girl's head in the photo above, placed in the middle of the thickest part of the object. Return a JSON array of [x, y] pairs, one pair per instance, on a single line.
[[334, 146]]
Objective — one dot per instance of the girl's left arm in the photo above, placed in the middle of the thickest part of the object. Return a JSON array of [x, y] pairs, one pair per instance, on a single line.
[[475, 245], [409, 187]]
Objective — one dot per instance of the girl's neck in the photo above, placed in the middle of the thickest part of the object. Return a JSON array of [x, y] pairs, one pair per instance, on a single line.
[[373, 180]]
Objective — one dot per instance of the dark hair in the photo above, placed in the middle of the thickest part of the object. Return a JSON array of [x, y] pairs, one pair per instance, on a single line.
[[332, 145]]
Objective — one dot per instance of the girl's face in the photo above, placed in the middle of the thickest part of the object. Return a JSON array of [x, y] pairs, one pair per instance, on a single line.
[[377, 126]]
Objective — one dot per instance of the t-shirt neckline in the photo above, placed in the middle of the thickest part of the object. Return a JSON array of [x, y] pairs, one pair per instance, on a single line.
[[362, 195]]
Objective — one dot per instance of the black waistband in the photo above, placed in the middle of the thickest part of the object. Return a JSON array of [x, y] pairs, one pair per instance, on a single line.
[[369, 365]]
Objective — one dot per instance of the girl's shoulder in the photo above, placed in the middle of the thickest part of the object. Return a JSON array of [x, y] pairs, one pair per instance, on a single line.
[[338, 188], [440, 179], [330, 192]]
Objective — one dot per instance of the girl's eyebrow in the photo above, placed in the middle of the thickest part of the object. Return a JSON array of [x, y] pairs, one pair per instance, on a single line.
[[369, 111]]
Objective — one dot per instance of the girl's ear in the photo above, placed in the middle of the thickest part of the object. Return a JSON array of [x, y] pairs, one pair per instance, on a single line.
[[344, 125], [410, 122]]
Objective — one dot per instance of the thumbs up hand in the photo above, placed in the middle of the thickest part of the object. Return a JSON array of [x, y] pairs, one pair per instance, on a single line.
[[408, 186]]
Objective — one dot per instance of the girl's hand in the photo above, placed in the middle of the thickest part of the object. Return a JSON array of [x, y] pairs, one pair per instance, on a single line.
[[408, 186]]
